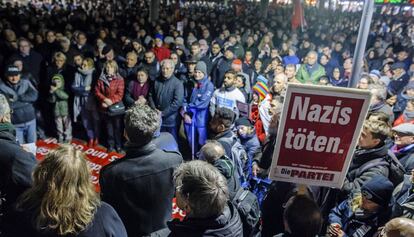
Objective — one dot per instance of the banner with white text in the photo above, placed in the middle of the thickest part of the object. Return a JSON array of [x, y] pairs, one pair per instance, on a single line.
[[318, 132]]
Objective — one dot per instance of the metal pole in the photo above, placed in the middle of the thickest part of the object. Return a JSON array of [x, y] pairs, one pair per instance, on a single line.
[[363, 33]]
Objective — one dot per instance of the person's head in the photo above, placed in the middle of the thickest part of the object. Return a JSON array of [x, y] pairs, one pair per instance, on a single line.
[[302, 217], [81, 39], [88, 64], [62, 194], [336, 73], [5, 111], [409, 89], [142, 76], [378, 94], [78, 59], [324, 60], [215, 48], [108, 52], [312, 57], [149, 57], [403, 134], [195, 48], [131, 59], [258, 65], [402, 55], [175, 57], [111, 67], [229, 79], [50, 36], [200, 185], [222, 120], [158, 40], [200, 71], [240, 81], [167, 68], [229, 53], [248, 56], [18, 63], [59, 59], [212, 151], [398, 69], [24, 46], [373, 133], [279, 84], [12, 74], [379, 116], [290, 71], [364, 82], [64, 43], [237, 65], [323, 80], [244, 127], [348, 64], [376, 194], [141, 123], [398, 227]]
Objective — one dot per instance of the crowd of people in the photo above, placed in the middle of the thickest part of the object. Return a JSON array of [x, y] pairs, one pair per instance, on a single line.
[[193, 100]]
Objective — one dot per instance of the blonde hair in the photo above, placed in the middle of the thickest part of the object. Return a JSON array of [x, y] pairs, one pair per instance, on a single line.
[[59, 55], [378, 129], [111, 63], [89, 62], [62, 195]]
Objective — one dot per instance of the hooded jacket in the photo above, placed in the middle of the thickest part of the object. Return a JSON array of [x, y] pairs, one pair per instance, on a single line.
[[59, 97]]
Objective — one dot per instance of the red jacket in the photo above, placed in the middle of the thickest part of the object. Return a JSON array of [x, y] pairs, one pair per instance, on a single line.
[[401, 120], [161, 53], [113, 90]]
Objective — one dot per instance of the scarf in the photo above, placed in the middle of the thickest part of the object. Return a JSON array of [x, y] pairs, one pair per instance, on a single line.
[[8, 127], [138, 90], [408, 116], [83, 79]]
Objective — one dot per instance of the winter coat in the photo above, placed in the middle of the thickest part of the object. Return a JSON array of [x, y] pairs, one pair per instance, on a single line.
[[167, 96], [350, 224], [226, 224], [228, 170], [105, 223], [21, 98], [397, 85], [31, 63], [60, 100], [304, 74], [16, 167], [112, 89], [161, 53], [401, 103], [251, 144], [355, 177], [140, 187], [153, 69], [129, 74], [134, 90], [404, 199], [405, 155], [83, 99], [197, 105]]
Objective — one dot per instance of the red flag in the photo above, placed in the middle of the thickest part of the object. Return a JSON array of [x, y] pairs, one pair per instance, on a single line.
[[297, 16]]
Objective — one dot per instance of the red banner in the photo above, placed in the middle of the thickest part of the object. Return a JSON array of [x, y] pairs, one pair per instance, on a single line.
[[318, 132], [97, 158]]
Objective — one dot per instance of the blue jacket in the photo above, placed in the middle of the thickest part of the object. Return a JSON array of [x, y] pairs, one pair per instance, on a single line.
[[198, 103], [399, 106], [396, 86], [250, 144], [343, 215]]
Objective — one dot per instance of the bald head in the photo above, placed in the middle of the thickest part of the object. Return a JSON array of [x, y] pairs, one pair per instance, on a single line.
[[212, 151]]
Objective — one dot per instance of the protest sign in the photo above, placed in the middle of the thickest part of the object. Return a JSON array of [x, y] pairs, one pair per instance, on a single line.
[[318, 131]]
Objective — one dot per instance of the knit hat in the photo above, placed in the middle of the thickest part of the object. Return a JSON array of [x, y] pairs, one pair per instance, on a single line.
[[379, 190], [375, 73], [106, 49], [201, 66], [169, 40], [237, 62], [243, 122], [12, 70], [4, 106], [159, 36]]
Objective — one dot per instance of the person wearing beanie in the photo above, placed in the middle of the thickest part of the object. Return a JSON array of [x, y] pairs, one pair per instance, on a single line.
[[217, 75], [195, 107], [246, 132], [404, 198], [365, 212], [160, 51], [21, 95], [59, 98]]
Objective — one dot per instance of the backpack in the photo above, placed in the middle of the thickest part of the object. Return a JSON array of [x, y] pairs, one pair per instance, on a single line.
[[249, 210], [396, 169], [238, 155]]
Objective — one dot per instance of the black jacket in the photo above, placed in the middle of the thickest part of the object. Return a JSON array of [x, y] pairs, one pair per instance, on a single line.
[[227, 224], [355, 178], [105, 223], [140, 187], [21, 97], [32, 63], [16, 166], [167, 96]]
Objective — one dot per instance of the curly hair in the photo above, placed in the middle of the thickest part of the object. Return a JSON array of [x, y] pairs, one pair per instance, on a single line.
[[62, 196], [141, 123]]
